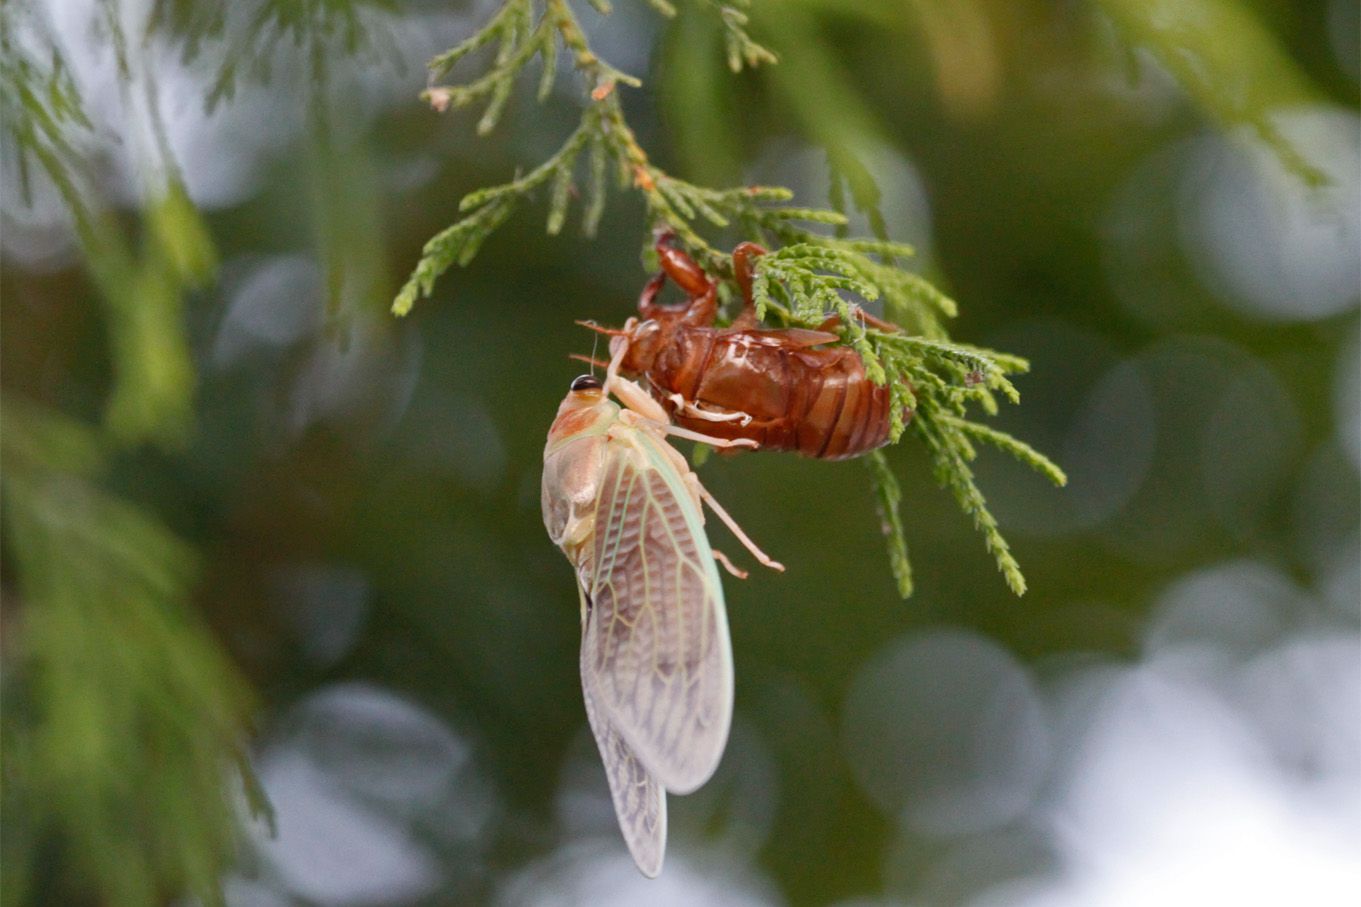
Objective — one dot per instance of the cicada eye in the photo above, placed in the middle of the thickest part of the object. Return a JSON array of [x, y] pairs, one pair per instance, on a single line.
[[586, 383]]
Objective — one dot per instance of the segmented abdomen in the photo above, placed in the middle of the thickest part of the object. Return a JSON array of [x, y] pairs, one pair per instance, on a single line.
[[816, 401]]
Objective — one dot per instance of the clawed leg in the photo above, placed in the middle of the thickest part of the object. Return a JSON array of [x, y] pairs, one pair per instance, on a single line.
[[747, 543], [680, 267], [647, 300], [629, 393], [649, 412], [691, 409], [728, 565], [702, 307]]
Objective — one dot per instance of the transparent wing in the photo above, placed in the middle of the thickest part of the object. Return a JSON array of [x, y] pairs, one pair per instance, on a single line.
[[655, 653], [639, 799]]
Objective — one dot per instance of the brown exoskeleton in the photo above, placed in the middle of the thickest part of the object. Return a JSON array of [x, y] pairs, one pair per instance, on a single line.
[[786, 389]]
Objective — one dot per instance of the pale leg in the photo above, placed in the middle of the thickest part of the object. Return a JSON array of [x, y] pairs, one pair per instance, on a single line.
[[676, 431], [619, 347], [690, 409], [728, 565], [737, 531], [638, 402]]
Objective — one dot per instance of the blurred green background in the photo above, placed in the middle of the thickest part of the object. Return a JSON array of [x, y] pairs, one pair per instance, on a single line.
[[249, 516]]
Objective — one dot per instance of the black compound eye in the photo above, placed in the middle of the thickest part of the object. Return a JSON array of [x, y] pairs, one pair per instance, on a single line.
[[587, 383]]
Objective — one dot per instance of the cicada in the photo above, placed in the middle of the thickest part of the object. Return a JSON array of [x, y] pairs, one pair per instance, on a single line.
[[787, 388], [656, 662]]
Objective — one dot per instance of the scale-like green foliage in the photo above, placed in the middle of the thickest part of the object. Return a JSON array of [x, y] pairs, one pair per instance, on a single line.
[[813, 270]]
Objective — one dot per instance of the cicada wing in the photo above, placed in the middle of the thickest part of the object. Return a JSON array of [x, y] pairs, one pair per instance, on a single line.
[[639, 799], [655, 649]]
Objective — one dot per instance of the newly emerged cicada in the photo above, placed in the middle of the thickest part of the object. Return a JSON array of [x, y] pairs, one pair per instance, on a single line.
[[656, 663]]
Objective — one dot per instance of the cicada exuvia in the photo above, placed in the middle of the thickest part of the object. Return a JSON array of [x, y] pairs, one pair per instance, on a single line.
[[656, 663], [785, 388]]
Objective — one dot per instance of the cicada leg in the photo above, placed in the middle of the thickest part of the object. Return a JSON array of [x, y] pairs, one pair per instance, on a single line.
[[680, 267], [728, 565], [736, 530], [647, 411], [702, 308], [647, 300], [630, 394], [685, 407], [676, 431]]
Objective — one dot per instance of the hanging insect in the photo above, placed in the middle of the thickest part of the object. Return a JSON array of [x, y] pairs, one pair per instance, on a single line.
[[656, 662], [786, 389]]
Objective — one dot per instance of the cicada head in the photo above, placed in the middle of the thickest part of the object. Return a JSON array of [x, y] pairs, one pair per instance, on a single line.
[[586, 410]]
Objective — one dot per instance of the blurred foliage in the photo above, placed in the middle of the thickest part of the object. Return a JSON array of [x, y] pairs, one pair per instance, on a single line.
[[142, 284], [309, 40], [314, 33], [122, 715], [1227, 62], [170, 452]]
